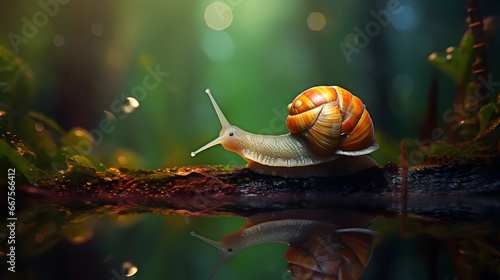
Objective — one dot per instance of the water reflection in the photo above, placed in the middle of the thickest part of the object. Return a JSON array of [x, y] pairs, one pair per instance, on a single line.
[[159, 246], [324, 244]]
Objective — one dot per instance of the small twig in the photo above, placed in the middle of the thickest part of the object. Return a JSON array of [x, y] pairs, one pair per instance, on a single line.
[[479, 67], [404, 185]]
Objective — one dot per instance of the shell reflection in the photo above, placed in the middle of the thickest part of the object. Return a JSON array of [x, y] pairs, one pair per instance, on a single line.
[[324, 244]]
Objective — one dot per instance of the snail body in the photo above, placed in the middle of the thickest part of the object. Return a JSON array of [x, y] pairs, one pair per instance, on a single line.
[[331, 134], [318, 249]]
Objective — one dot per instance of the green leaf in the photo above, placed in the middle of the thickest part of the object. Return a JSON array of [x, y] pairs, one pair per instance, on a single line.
[[456, 62], [485, 114], [17, 158]]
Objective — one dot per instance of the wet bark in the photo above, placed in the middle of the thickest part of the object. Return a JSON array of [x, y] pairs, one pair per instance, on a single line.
[[465, 190]]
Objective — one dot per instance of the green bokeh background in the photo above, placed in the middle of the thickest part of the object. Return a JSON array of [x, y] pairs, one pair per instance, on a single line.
[[255, 67]]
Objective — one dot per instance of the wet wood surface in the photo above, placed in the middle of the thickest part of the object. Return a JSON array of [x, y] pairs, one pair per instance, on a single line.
[[458, 191]]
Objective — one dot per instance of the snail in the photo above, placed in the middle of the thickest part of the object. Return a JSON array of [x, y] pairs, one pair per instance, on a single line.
[[319, 249], [331, 133]]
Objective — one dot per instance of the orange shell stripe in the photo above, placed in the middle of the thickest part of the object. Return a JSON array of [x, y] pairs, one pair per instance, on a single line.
[[345, 98], [357, 125], [312, 98], [303, 258], [351, 266], [352, 114], [361, 244], [302, 273], [305, 108], [327, 124], [299, 123], [361, 136]]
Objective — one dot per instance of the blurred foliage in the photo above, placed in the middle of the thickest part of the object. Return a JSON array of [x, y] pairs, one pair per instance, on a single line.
[[457, 61], [263, 68], [489, 115], [478, 132], [32, 143]]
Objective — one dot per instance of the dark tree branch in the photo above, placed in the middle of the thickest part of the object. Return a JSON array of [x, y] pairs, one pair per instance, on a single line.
[[461, 191], [479, 67]]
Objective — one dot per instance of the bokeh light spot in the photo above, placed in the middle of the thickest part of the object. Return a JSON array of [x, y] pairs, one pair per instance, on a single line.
[[39, 126], [110, 116], [125, 158], [405, 19], [130, 105], [122, 160], [129, 269], [218, 15], [39, 238], [58, 40], [218, 46], [351, 40], [316, 21], [96, 29], [79, 234]]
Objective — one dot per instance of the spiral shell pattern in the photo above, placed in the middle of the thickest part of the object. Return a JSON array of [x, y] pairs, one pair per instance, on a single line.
[[336, 255], [332, 121]]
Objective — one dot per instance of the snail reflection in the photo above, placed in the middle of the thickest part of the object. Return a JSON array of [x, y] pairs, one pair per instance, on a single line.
[[324, 244], [331, 133]]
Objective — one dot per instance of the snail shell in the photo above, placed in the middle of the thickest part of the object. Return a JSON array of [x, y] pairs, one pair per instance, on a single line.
[[327, 254], [332, 121]]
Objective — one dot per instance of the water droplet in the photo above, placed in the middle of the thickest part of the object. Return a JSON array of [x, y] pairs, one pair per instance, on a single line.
[[130, 105], [58, 40], [39, 238], [96, 29], [39, 126]]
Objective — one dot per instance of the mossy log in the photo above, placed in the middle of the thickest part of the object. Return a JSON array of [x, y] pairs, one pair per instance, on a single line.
[[466, 190]]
